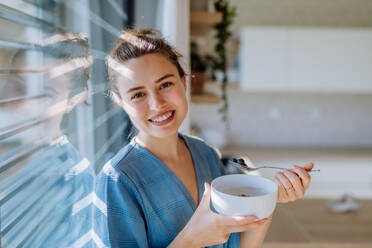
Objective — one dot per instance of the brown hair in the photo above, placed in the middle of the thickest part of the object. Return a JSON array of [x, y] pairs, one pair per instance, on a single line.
[[134, 43]]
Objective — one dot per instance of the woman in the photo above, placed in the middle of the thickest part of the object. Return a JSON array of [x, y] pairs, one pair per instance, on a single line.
[[151, 193]]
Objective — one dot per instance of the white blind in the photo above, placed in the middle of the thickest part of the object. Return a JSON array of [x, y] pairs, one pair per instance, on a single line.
[[57, 126]]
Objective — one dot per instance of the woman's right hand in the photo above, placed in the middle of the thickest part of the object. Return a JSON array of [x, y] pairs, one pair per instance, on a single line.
[[206, 228]]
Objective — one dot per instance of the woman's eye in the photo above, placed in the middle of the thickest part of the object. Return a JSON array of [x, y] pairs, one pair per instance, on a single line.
[[137, 96], [166, 85]]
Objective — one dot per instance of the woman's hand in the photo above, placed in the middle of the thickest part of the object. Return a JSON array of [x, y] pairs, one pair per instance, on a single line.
[[293, 183], [206, 228]]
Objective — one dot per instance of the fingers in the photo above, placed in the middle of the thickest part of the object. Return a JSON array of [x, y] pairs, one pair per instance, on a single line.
[[287, 186], [292, 184], [230, 224], [299, 189], [205, 201], [249, 226], [207, 189], [225, 220], [282, 193], [308, 166], [303, 174]]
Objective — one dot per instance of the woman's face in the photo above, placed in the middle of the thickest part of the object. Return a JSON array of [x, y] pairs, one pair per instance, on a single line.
[[153, 95]]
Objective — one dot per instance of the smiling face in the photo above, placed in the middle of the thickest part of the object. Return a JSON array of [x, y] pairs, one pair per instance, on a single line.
[[153, 95]]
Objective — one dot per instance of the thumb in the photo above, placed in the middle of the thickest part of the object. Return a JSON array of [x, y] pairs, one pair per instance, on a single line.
[[206, 195], [308, 166]]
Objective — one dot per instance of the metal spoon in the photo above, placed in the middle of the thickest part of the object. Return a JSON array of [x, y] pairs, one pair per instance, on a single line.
[[240, 164]]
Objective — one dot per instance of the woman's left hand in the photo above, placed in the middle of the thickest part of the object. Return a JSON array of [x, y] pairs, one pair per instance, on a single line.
[[293, 183]]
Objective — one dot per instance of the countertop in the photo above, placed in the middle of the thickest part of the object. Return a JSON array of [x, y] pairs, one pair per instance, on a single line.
[[308, 223]]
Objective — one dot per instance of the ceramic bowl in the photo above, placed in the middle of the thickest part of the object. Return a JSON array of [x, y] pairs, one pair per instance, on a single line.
[[244, 195]]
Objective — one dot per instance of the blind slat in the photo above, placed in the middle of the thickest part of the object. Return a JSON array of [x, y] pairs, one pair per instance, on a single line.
[[14, 16], [27, 9], [19, 71], [96, 19], [25, 201], [21, 98], [51, 112], [12, 130], [24, 225], [18, 45], [19, 154], [10, 187]]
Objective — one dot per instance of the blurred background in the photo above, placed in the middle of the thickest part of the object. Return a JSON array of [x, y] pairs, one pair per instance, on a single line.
[[299, 89], [282, 83]]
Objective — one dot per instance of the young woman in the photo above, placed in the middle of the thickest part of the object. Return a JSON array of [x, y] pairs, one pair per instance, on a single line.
[[155, 192]]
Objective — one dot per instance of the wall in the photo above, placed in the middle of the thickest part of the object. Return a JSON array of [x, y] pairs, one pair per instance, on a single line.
[[350, 13], [291, 119], [306, 59]]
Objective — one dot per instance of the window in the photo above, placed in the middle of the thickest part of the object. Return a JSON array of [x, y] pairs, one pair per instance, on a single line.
[[58, 127]]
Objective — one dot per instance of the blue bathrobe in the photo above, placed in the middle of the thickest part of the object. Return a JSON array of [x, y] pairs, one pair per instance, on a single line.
[[140, 202]]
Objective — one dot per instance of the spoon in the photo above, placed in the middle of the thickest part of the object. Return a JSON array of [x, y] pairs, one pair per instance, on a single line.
[[240, 164]]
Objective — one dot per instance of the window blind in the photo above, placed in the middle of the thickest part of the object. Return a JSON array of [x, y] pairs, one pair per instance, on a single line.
[[49, 153]]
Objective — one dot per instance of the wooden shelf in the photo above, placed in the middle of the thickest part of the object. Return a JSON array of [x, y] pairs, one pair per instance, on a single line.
[[230, 47], [206, 98], [202, 22], [209, 18], [212, 93]]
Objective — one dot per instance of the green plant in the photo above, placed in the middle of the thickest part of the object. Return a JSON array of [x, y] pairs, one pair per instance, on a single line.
[[198, 62], [219, 62]]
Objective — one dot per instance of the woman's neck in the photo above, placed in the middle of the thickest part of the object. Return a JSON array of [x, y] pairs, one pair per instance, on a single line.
[[169, 148]]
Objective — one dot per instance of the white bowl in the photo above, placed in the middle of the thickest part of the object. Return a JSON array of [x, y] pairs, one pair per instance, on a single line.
[[226, 199]]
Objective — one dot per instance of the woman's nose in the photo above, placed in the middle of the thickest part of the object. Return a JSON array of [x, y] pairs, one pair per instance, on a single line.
[[157, 102]]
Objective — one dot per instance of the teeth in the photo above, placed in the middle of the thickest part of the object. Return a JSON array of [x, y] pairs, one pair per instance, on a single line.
[[162, 118]]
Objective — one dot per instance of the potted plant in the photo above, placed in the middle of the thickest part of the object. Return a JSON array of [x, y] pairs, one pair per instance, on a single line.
[[222, 35], [198, 69]]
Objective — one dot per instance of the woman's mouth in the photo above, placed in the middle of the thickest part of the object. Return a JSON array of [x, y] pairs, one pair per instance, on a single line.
[[163, 119]]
